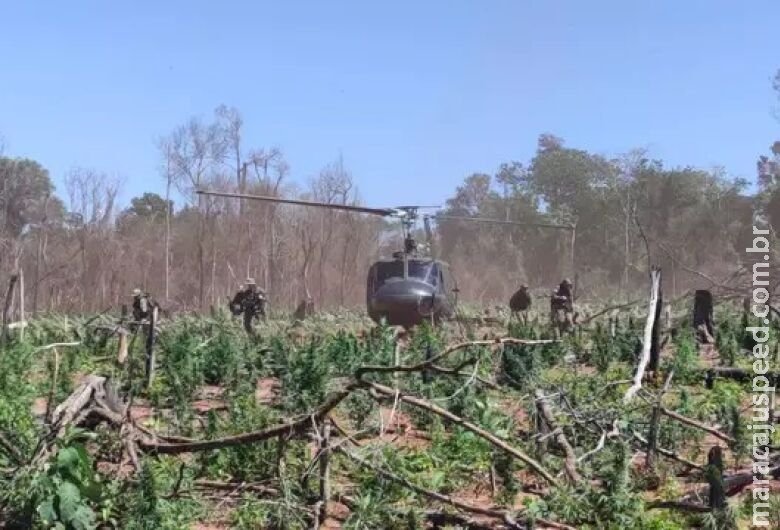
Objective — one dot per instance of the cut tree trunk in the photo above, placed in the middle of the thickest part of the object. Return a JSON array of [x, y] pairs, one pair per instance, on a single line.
[[655, 339], [702, 316], [9, 298], [644, 358], [715, 478], [150, 336]]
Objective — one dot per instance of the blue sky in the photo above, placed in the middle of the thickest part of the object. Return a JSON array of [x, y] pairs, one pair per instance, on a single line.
[[415, 95]]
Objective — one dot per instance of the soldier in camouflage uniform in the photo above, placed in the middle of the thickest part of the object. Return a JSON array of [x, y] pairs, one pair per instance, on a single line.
[[521, 300], [562, 306], [141, 306], [249, 301]]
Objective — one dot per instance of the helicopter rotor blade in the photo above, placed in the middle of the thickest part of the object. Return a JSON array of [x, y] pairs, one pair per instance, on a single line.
[[501, 221], [384, 212]]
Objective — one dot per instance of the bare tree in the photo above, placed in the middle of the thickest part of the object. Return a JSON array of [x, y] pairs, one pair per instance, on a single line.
[[195, 151]]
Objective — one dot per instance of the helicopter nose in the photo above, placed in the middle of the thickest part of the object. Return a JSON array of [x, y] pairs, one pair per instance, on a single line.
[[404, 302]]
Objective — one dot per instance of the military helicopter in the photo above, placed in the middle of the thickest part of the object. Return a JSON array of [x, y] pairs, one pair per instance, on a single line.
[[410, 287]]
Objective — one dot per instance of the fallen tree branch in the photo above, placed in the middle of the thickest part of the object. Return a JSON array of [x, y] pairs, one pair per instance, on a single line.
[[668, 453], [56, 345], [738, 374], [482, 433], [290, 428], [11, 449], [446, 499], [570, 464], [693, 423], [436, 358], [608, 309], [687, 507]]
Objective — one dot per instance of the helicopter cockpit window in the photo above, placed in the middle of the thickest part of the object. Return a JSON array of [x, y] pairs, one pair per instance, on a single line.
[[423, 270], [390, 269], [419, 270], [434, 274]]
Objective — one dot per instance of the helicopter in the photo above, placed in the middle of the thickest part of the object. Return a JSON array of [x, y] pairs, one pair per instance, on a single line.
[[411, 286]]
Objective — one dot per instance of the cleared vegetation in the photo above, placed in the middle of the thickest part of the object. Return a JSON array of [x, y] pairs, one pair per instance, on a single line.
[[333, 423]]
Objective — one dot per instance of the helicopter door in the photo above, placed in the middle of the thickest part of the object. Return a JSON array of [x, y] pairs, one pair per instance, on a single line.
[[449, 286]]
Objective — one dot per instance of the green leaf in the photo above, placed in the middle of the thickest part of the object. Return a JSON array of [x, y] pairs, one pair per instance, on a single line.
[[69, 500], [46, 511], [67, 459], [83, 519], [92, 490]]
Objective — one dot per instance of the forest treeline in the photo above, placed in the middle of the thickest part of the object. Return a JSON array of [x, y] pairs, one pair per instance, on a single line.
[[79, 250]]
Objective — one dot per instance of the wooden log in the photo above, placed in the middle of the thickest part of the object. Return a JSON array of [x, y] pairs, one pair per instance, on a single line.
[[570, 462], [738, 374]]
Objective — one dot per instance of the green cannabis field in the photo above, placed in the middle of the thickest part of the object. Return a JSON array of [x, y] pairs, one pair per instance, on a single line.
[[336, 423]]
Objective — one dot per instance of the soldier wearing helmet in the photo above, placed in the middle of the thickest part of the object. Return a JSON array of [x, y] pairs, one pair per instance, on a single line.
[[249, 301], [521, 300], [562, 306], [141, 305]]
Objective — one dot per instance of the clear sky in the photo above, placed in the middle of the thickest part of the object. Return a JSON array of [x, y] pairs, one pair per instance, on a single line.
[[415, 94]]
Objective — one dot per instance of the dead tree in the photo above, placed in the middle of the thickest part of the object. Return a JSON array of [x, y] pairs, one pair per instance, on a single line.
[[9, 298], [150, 336], [652, 435], [644, 358], [715, 478], [655, 339], [702, 316]]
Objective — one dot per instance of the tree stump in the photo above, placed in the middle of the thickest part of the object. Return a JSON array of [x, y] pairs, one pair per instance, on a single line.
[[149, 346], [702, 316], [715, 478], [655, 340]]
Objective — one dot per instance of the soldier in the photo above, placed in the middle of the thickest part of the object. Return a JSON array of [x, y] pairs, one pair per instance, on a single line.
[[562, 306], [250, 301], [141, 305], [521, 300]]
